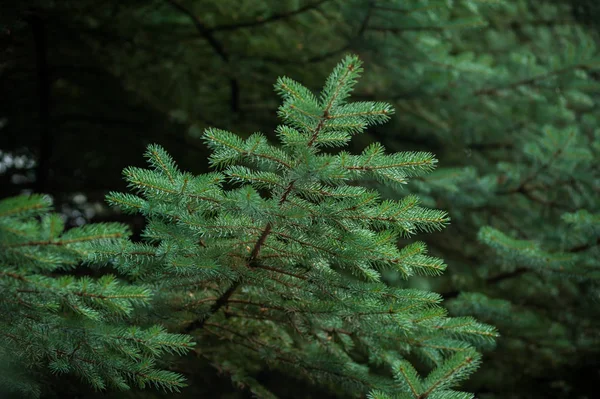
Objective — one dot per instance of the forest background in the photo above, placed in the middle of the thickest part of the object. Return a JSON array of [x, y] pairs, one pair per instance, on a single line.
[[504, 93]]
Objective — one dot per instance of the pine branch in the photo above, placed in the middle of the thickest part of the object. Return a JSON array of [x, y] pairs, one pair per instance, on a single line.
[[202, 29], [407, 10], [519, 271], [60, 310], [407, 29], [296, 362], [584, 247], [223, 299], [217, 46], [322, 57], [519, 24], [63, 242], [508, 275], [273, 18], [527, 82]]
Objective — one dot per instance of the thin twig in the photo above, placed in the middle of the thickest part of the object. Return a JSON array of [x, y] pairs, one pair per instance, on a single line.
[[272, 18]]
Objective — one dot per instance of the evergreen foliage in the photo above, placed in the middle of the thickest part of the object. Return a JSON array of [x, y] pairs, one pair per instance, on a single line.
[[53, 323], [521, 140], [275, 259], [509, 108], [512, 112]]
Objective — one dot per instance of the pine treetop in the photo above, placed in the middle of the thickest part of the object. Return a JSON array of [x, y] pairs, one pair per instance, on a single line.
[[276, 258]]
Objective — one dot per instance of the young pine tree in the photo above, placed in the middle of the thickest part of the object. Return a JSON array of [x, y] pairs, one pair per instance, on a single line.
[[275, 260], [53, 325]]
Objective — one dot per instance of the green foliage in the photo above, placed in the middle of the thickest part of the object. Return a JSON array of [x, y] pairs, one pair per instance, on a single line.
[[521, 138], [56, 324], [276, 259], [503, 92]]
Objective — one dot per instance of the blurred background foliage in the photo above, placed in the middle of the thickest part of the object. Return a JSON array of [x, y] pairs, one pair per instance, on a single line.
[[503, 92]]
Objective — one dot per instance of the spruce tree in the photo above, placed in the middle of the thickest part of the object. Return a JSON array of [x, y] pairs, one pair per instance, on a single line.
[[514, 116], [480, 99], [53, 324], [275, 259]]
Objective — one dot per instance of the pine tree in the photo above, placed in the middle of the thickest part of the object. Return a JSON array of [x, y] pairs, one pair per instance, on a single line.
[[275, 260], [519, 141], [55, 324], [495, 104]]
